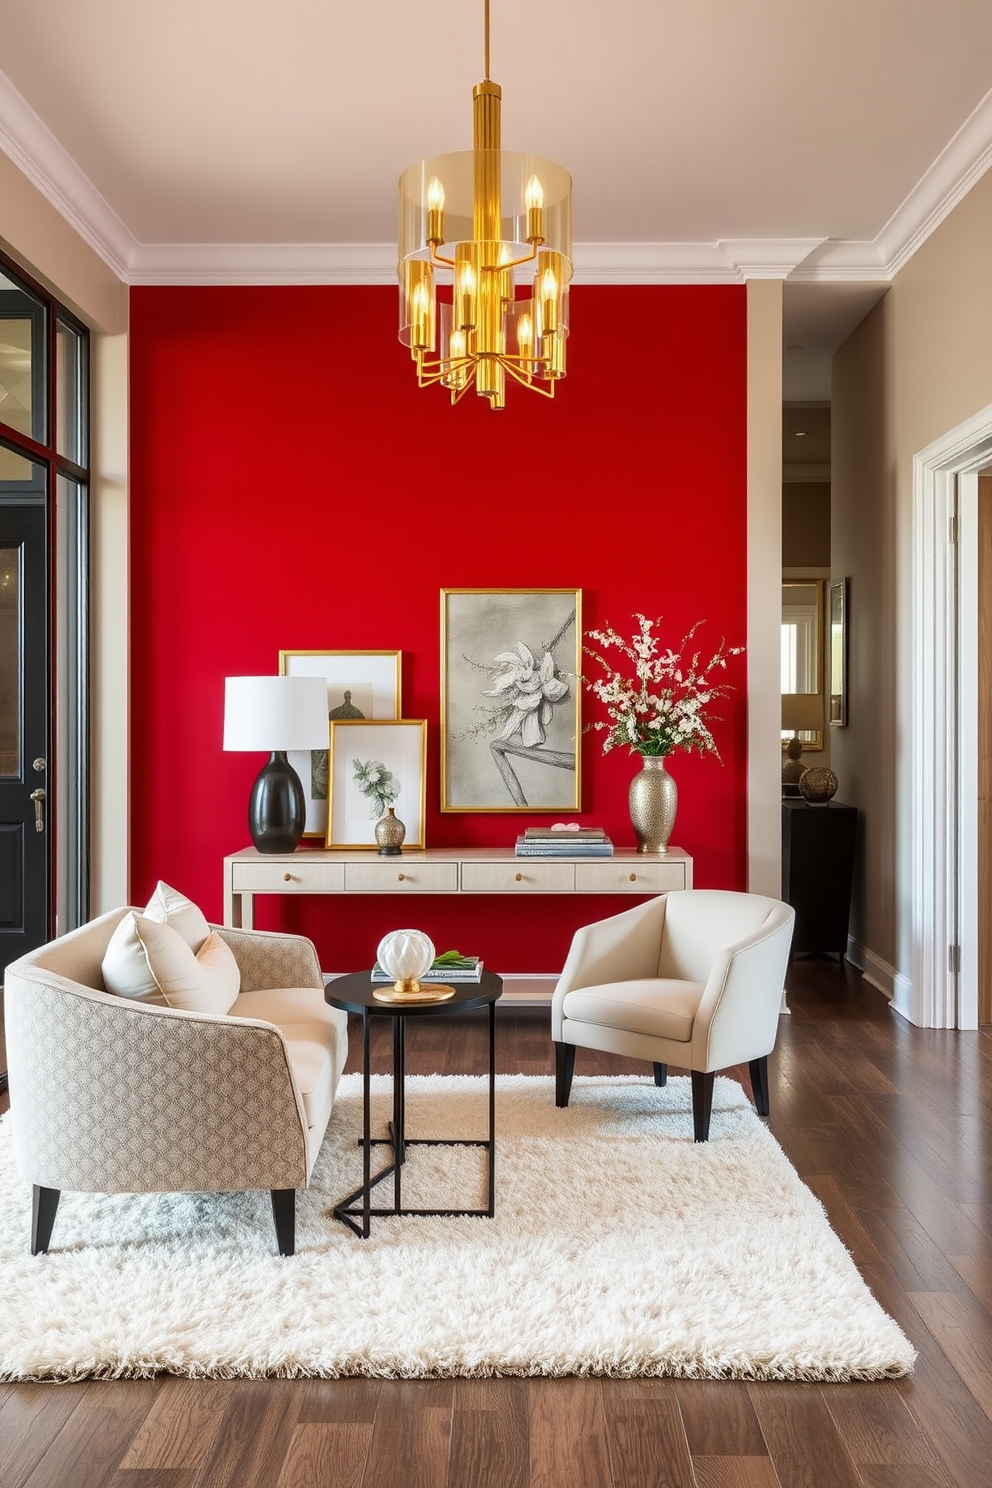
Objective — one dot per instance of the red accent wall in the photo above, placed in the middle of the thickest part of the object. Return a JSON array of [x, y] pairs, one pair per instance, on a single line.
[[291, 487]]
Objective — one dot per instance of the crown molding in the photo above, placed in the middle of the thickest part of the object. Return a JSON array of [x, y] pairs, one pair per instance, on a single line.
[[50, 168], [729, 262], [963, 161], [34, 149], [264, 263]]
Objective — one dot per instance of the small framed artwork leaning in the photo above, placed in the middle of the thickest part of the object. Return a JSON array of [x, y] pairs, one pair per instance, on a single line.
[[360, 685], [375, 765], [510, 699]]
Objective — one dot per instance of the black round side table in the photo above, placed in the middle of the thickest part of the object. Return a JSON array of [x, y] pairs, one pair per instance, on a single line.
[[355, 994]]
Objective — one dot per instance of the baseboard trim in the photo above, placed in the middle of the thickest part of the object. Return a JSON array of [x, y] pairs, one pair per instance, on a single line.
[[893, 985]]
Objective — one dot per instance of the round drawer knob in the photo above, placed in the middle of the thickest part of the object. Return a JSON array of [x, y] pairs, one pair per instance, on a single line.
[[287, 878], [400, 877], [632, 877], [519, 878]]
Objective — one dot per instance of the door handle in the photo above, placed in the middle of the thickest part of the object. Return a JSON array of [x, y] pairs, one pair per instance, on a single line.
[[38, 797]]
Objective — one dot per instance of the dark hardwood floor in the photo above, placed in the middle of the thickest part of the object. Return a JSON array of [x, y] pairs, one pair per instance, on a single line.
[[888, 1124]]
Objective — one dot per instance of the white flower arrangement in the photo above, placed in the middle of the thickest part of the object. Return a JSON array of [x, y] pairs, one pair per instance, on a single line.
[[664, 705]]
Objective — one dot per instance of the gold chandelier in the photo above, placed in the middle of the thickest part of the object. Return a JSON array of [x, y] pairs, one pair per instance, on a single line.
[[479, 217]]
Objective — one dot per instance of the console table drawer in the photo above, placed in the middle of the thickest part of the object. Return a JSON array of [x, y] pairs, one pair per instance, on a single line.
[[519, 875], [401, 877], [256, 877], [628, 878]]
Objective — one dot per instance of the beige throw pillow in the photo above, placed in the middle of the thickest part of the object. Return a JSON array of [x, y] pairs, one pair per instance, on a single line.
[[125, 966], [207, 982]]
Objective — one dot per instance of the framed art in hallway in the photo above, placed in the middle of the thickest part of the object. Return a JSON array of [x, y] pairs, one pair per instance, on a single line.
[[375, 765], [510, 699], [837, 630], [360, 685]]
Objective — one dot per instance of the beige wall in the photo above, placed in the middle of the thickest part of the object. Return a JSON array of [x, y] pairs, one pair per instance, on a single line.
[[764, 584], [109, 772], [40, 240], [43, 243], [806, 524], [916, 368]]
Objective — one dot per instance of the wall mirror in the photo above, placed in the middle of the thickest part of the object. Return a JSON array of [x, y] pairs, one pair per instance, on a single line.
[[802, 650], [838, 652]]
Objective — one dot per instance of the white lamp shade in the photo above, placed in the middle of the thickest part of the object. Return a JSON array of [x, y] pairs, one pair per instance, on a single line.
[[267, 713]]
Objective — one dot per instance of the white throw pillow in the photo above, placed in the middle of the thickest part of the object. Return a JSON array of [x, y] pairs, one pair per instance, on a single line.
[[205, 982], [125, 966], [169, 907]]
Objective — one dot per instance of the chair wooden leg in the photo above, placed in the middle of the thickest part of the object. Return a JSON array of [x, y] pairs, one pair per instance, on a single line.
[[759, 1084], [44, 1204], [284, 1214], [661, 1074], [564, 1070], [702, 1104]]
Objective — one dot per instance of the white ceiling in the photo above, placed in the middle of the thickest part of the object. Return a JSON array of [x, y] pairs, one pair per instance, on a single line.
[[709, 141]]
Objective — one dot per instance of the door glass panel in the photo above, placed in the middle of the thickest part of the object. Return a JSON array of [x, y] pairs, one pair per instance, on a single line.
[[10, 660], [19, 476], [71, 400], [22, 360]]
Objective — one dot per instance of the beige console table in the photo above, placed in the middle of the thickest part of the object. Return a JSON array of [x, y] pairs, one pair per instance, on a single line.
[[482, 870]]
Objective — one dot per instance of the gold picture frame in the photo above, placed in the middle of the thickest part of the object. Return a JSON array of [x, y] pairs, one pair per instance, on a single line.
[[511, 700], [375, 764], [367, 682]]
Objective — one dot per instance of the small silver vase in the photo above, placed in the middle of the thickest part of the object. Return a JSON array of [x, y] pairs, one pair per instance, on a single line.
[[389, 834], [653, 800]]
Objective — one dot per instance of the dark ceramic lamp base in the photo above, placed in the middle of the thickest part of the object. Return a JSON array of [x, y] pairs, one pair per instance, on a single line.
[[277, 808]]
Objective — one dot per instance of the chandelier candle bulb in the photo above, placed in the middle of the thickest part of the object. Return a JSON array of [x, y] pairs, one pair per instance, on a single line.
[[465, 294], [534, 199], [549, 301], [423, 331], [435, 212]]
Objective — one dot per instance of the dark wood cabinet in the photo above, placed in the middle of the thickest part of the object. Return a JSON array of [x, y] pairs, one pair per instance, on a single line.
[[818, 871]]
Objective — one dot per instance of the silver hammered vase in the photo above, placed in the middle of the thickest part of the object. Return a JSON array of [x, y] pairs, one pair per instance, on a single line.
[[653, 799]]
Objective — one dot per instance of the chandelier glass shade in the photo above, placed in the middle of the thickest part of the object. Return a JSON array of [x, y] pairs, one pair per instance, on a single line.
[[485, 259]]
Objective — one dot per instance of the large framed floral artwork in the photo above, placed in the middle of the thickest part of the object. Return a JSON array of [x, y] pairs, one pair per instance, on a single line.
[[510, 699], [374, 766], [360, 685]]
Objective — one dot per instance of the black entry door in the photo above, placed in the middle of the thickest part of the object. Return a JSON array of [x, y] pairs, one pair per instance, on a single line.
[[24, 834]]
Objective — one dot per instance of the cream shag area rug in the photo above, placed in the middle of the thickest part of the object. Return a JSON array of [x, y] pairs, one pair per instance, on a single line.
[[619, 1247]]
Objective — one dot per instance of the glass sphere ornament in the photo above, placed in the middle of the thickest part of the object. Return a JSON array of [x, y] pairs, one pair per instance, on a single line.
[[405, 955]]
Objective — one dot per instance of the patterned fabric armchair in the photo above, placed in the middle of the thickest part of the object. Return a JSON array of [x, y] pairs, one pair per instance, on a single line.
[[109, 1095]]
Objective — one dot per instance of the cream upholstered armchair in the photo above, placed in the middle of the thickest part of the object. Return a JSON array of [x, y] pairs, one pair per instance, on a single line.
[[110, 1094], [692, 978]]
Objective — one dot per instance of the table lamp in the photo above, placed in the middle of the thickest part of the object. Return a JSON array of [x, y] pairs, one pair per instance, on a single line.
[[802, 712], [276, 714]]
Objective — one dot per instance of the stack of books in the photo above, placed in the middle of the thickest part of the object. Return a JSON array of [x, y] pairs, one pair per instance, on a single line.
[[450, 967], [564, 842]]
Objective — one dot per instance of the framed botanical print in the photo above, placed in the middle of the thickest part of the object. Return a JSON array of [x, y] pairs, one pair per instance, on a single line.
[[360, 685], [510, 699], [375, 765]]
